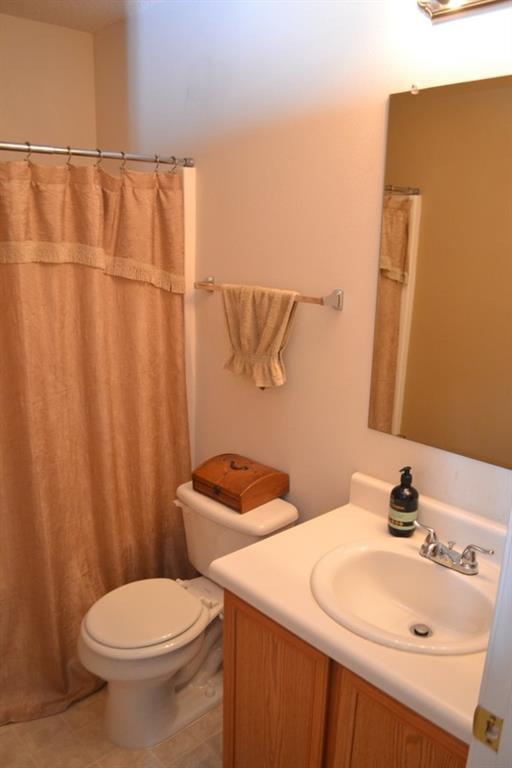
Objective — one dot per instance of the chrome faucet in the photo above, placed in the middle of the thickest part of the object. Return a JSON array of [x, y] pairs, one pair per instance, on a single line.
[[445, 554]]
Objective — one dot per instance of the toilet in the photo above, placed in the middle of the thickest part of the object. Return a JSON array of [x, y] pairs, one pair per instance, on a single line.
[[158, 642]]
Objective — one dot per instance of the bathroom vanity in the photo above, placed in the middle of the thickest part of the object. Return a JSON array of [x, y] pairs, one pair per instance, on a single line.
[[292, 706], [302, 689]]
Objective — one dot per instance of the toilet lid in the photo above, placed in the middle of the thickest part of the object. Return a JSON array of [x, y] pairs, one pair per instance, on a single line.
[[142, 613]]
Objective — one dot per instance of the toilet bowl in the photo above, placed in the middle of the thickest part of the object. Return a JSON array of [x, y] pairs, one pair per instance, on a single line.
[[158, 642], [138, 637]]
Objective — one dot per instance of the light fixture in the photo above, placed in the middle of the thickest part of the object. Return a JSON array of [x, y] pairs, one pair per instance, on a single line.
[[436, 8]]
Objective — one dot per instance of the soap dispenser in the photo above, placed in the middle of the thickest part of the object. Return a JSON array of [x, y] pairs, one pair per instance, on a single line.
[[403, 506]]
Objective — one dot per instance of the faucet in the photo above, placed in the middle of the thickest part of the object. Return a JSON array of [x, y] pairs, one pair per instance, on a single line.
[[445, 554]]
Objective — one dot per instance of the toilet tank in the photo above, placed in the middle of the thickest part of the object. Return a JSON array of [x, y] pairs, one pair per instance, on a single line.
[[213, 530]]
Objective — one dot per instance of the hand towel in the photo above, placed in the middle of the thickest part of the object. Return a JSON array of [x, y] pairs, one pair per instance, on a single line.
[[395, 236], [259, 322]]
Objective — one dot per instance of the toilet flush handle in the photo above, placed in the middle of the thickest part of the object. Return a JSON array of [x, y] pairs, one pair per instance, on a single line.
[[178, 504]]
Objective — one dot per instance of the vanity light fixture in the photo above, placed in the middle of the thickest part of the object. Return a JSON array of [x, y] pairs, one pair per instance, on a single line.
[[436, 8]]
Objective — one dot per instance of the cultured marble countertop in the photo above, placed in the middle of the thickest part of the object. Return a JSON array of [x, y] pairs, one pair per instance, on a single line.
[[274, 576]]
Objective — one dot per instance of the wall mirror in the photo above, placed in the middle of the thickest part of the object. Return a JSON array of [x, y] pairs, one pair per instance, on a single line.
[[442, 362]]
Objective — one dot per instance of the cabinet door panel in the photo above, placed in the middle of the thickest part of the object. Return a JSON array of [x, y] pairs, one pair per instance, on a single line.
[[368, 729], [275, 693]]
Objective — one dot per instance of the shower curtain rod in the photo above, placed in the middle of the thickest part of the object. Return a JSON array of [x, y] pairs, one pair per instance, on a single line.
[[99, 154]]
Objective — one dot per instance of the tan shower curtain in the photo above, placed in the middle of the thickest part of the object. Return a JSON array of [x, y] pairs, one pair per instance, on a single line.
[[93, 424], [393, 269]]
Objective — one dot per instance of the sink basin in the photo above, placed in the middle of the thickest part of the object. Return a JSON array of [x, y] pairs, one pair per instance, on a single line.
[[389, 594]]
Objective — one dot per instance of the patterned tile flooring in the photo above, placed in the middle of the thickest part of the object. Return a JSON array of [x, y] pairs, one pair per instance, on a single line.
[[75, 739]]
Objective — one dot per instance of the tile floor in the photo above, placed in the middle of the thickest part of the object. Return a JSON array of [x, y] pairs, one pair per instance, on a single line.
[[74, 739]]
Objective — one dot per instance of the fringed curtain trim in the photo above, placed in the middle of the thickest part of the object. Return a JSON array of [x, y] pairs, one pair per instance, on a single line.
[[75, 253]]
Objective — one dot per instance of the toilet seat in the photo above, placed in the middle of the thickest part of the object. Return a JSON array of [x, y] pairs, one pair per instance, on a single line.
[[143, 619], [142, 613]]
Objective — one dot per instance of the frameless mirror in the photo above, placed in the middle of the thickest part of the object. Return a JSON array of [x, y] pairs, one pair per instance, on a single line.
[[442, 362]]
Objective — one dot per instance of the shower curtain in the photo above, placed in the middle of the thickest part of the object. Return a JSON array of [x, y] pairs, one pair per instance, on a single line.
[[393, 269], [93, 413]]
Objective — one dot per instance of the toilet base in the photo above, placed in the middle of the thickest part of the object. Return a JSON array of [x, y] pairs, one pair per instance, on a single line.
[[164, 714], [193, 702]]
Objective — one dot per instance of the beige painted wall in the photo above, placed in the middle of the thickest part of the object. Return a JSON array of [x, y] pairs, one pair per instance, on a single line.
[[284, 107], [46, 85], [111, 83], [456, 144]]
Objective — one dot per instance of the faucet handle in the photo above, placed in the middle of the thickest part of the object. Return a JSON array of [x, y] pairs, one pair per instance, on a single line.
[[469, 553], [431, 534]]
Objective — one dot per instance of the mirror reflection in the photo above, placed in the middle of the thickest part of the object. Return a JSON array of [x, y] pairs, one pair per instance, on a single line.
[[442, 363]]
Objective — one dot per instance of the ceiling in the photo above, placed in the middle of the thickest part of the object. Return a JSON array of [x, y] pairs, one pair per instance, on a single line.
[[86, 15]]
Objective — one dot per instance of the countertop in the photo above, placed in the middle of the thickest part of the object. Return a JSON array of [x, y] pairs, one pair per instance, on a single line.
[[274, 577]]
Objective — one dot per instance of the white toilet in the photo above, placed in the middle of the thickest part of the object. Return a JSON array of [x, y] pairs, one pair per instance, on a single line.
[[158, 642]]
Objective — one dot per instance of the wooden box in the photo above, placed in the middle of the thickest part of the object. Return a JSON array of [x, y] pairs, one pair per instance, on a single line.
[[239, 482]]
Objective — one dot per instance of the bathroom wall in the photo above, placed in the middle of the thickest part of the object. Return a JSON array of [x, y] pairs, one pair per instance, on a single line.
[[283, 106], [47, 85], [112, 115]]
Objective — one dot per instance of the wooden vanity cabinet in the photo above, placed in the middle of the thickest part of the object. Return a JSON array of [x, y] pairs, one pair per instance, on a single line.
[[366, 728], [287, 705], [275, 693]]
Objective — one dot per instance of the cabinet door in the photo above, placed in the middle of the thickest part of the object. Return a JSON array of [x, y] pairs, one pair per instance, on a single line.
[[368, 729], [275, 693]]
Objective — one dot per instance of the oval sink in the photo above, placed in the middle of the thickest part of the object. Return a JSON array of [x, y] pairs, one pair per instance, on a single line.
[[388, 593]]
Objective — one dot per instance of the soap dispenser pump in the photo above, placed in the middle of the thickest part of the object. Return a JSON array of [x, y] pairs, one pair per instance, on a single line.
[[403, 506]]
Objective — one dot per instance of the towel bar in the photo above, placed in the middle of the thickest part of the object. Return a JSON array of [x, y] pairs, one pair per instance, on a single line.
[[334, 299]]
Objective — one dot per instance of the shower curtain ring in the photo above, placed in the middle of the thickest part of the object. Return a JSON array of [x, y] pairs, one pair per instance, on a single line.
[[68, 161], [157, 163], [174, 164], [100, 158], [123, 162], [29, 146]]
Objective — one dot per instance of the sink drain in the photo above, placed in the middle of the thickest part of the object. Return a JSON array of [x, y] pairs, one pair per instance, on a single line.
[[420, 630]]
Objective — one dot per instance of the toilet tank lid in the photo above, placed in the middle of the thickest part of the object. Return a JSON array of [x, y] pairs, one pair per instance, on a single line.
[[260, 521]]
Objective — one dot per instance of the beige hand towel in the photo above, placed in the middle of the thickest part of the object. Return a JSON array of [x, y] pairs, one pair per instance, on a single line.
[[259, 322], [395, 236]]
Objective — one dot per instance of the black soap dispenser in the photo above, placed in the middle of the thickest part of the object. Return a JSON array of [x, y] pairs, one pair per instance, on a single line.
[[403, 506]]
